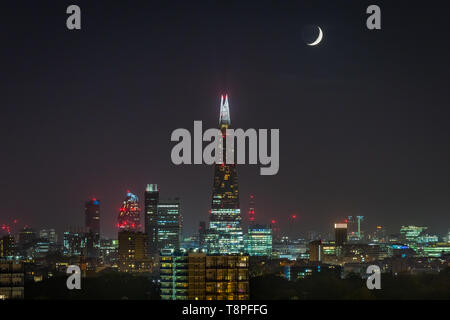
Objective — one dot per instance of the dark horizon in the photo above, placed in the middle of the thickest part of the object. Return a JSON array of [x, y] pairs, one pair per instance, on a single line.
[[363, 117]]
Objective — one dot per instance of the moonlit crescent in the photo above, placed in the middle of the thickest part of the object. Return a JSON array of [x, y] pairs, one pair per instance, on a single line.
[[319, 38]]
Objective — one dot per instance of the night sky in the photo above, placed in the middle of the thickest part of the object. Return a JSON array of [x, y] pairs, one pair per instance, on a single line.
[[363, 117]]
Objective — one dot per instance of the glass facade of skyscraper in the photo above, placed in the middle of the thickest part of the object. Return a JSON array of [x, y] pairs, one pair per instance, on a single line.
[[259, 241], [151, 199], [92, 216], [169, 224], [225, 218]]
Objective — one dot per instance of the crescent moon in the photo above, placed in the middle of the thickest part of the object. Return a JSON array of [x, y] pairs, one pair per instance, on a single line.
[[319, 38]]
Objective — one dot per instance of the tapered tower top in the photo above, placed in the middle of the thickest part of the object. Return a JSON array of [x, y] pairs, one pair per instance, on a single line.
[[224, 118]]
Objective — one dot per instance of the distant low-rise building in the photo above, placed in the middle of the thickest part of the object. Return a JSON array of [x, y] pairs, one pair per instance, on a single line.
[[436, 249], [301, 271]]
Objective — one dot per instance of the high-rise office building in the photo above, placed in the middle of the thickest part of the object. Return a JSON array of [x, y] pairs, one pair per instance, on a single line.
[[379, 235], [211, 239], [259, 240], [46, 243], [49, 235], [225, 217], [74, 242], [129, 215], [92, 216], [92, 241], [169, 224], [151, 199], [340, 232], [27, 239], [354, 228], [133, 252], [197, 276], [92, 225], [409, 234]]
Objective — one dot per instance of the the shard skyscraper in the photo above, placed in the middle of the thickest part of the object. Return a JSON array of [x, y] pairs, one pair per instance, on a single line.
[[225, 232]]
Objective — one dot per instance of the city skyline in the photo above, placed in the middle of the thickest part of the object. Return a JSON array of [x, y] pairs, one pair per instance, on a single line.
[[287, 230], [234, 157], [363, 126]]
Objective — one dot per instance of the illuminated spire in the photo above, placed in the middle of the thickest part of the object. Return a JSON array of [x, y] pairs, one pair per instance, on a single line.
[[224, 118]]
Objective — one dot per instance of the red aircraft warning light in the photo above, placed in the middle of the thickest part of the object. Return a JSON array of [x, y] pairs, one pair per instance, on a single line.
[[251, 209]]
